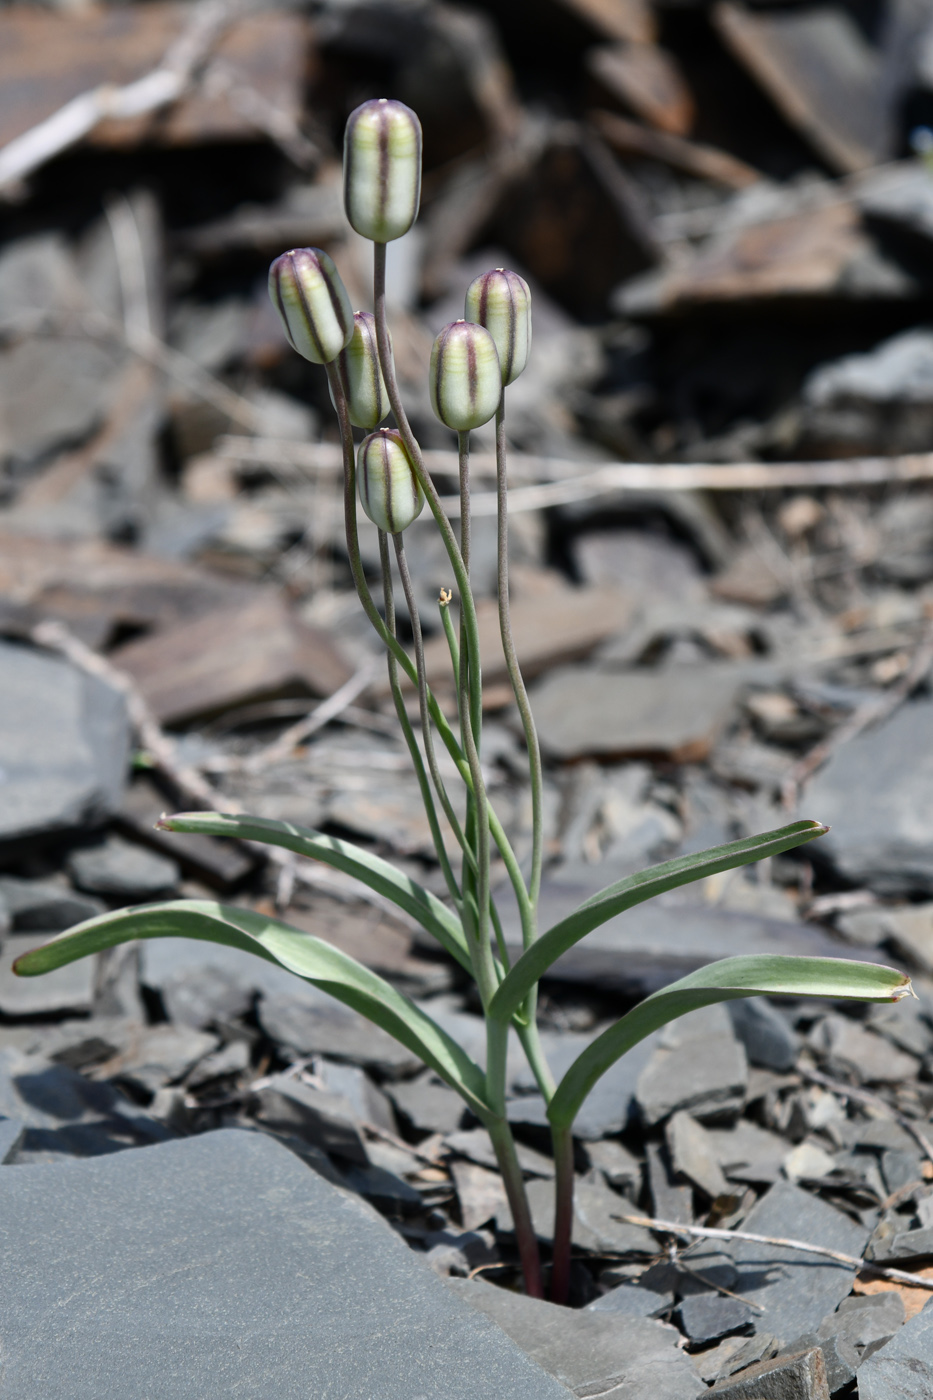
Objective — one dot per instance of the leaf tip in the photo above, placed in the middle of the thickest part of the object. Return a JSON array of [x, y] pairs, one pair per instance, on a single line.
[[905, 989]]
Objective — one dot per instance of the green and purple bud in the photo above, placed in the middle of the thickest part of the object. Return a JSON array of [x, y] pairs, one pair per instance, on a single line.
[[389, 489], [501, 301], [358, 371], [382, 169], [312, 301], [465, 379]]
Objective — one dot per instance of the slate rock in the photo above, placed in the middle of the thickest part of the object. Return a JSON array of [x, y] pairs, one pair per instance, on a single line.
[[123, 870], [428, 1104], [11, 1133], [671, 1200], [480, 1193], [591, 1353], [201, 995], [152, 1056], [693, 1154], [609, 1106], [905, 1244], [288, 1105], [312, 1023], [903, 1368], [800, 1376], [877, 795], [238, 1272], [849, 1045], [44, 905], [708, 1076], [595, 1226], [859, 1327], [674, 713], [476, 1145], [68, 988], [368, 1102], [768, 1039], [796, 1290], [64, 744], [632, 1299], [705, 1317], [749, 1153], [387, 1191], [616, 1164]]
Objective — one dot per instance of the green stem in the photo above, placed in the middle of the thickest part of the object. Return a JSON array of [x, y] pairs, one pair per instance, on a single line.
[[534, 1054], [515, 675], [427, 737], [563, 1214], [504, 1146], [412, 743]]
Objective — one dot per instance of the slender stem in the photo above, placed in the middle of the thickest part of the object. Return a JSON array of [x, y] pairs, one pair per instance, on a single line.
[[427, 737], [470, 666], [514, 670], [408, 732], [563, 1214], [534, 1054], [504, 1146]]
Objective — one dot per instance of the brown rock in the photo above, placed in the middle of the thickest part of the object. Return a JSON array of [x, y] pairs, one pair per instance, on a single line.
[[232, 656], [648, 80], [800, 1376]]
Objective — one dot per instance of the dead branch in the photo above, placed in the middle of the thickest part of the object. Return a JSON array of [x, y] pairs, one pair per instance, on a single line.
[[707, 1232]]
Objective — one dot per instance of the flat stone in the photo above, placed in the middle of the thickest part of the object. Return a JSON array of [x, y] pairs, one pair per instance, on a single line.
[[903, 1368], [311, 1023], [872, 1058], [476, 1145], [64, 744], [807, 1162], [230, 1060], [670, 713], [327, 1121], [840, 1361], [708, 1076], [387, 1191], [44, 905], [671, 1200], [800, 1376], [11, 1133], [368, 1102], [693, 1154], [616, 1164], [910, 933], [625, 1358], [748, 1152], [632, 1300], [69, 988], [906, 1244], [705, 1317], [480, 1193], [910, 1030], [152, 1056], [770, 1042], [228, 1235], [797, 1290], [200, 995], [429, 1105], [877, 795], [123, 870]]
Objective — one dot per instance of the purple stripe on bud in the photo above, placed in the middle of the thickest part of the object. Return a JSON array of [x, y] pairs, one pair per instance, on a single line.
[[312, 302], [465, 379], [359, 373], [382, 169], [389, 489], [501, 301]]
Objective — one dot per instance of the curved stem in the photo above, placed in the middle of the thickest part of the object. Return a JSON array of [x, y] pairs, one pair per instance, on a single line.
[[563, 1214], [504, 1146], [412, 743], [427, 737], [511, 660]]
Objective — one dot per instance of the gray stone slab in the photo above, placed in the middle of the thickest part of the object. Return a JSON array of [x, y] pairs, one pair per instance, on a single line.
[[796, 1290], [326, 1120], [748, 1152], [428, 1104], [11, 1132], [312, 1023], [693, 1154], [47, 906], [792, 1377], [708, 1076], [221, 1265], [705, 1317], [620, 1358], [903, 1368], [610, 1105], [69, 988], [770, 1042], [877, 795], [64, 744], [123, 870], [632, 1300]]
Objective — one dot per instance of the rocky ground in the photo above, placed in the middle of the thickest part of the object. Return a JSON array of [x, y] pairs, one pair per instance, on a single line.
[[730, 256]]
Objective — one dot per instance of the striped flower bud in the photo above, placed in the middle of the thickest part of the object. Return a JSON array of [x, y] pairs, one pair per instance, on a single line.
[[466, 382], [382, 169], [389, 489], [359, 373], [312, 301], [501, 301]]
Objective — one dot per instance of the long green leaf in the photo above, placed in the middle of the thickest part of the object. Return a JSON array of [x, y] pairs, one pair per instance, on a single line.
[[308, 957], [769, 974], [635, 889], [433, 916]]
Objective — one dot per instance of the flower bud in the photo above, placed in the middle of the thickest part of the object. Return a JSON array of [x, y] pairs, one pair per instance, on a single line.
[[382, 169], [466, 382], [389, 489], [501, 301], [312, 301], [359, 373]]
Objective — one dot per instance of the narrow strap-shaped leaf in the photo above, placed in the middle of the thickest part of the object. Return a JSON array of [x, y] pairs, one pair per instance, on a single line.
[[769, 974], [308, 957], [433, 916], [635, 889]]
